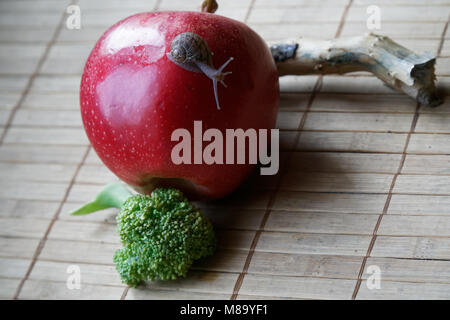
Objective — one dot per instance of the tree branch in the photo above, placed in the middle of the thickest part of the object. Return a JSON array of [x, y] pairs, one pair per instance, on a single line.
[[396, 65]]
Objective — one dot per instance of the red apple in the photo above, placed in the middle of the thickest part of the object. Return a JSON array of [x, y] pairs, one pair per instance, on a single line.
[[133, 97]]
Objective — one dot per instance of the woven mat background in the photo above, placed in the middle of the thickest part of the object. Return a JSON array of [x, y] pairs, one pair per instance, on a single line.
[[368, 180]]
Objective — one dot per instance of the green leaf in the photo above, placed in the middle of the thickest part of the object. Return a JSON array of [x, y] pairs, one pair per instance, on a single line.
[[112, 195]]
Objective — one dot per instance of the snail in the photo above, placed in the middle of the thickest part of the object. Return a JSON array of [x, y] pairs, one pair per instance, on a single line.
[[191, 52]]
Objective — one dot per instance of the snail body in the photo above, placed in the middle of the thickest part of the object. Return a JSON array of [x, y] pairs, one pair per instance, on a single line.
[[191, 52]]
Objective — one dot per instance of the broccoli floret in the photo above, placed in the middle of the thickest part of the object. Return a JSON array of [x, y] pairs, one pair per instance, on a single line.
[[162, 234]]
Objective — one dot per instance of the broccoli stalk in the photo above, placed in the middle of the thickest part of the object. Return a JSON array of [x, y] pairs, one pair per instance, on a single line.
[[162, 234]]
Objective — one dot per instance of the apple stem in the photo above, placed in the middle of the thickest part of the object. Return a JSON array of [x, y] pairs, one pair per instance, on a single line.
[[210, 6], [112, 195]]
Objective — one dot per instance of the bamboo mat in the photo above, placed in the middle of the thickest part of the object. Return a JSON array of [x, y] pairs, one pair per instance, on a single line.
[[365, 176]]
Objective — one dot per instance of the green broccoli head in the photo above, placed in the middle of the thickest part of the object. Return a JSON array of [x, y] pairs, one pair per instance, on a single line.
[[162, 234]]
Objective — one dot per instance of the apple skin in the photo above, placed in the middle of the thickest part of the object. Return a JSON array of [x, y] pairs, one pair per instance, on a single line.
[[133, 97]]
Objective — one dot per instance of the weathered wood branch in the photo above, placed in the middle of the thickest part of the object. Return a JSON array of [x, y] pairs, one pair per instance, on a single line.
[[396, 65]]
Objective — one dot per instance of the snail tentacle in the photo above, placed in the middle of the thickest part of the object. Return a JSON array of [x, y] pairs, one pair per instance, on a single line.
[[215, 76], [224, 65], [216, 95]]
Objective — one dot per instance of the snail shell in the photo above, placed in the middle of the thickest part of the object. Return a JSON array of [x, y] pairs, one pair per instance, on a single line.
[[189, 48], [189, 51]]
